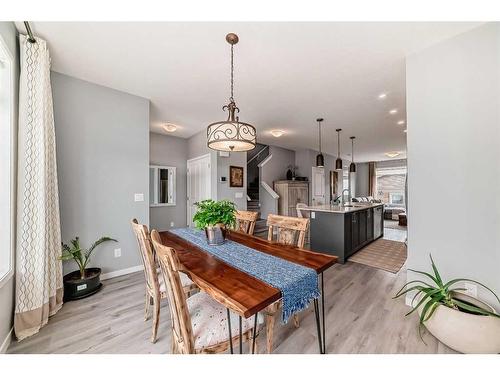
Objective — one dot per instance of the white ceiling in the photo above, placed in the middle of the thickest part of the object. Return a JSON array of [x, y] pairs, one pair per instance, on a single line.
[[286, 74]]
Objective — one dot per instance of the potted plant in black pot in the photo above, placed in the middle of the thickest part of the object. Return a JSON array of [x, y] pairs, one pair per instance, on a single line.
[[85, 281], [215, 217]]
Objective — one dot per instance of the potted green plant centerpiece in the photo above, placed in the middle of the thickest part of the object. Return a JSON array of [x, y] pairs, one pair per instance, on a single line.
[[458, 320], [85, 281], [215, 217]]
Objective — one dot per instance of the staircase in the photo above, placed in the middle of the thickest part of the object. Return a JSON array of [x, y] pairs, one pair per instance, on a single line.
[[254, 157]]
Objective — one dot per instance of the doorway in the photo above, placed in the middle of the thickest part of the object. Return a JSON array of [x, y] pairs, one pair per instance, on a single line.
[[198, 184], [318, 186]]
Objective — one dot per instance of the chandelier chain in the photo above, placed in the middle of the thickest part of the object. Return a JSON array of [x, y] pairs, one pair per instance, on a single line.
[[232, 75]]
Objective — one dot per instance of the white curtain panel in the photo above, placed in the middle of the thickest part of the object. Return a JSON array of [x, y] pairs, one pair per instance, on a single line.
[[39, 287]]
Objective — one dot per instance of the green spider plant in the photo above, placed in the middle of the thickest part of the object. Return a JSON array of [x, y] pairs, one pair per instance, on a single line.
[[79, 255], [440, 293]]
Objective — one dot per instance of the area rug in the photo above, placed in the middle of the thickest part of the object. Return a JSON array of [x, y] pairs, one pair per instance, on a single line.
[[384, 254], [393, 224]]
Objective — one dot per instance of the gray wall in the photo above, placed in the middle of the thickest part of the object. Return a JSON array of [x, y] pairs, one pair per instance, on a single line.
[[9, 35], [169, 151], [274, 170], [103, 160], [453, 96]]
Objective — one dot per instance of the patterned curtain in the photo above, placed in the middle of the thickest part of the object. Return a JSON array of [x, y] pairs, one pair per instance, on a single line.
[[372, 180], [39, 288]]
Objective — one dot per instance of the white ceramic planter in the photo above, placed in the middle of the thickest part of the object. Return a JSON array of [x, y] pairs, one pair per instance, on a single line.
[[465, 333]]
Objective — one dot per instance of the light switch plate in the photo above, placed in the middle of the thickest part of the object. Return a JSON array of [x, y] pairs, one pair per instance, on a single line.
[[172, 224], [118, 253], [238, 195], [313, 215], [138, 197]]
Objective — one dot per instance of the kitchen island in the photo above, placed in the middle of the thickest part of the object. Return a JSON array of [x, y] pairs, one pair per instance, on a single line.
[[342, 230]]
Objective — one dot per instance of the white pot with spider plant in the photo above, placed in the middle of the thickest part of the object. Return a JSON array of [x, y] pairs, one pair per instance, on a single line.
[[458, 320], [85, 281]]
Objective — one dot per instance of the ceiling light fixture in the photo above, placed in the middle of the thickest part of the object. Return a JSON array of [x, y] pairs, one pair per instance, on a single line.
[[401, 122], [320, 160], [393, 111], [231, 135], [406, 130], [170, 127], [382, 96], [392, 154], [338, 162], [277, 133], [352, 166]]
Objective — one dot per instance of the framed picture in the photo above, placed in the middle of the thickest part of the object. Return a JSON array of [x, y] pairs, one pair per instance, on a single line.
[[235, 176]]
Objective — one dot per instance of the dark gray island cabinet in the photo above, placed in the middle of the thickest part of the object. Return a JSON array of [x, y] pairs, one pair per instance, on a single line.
[[342, 231]]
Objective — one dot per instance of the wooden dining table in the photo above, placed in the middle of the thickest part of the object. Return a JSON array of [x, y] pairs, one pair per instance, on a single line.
[[240, 292]]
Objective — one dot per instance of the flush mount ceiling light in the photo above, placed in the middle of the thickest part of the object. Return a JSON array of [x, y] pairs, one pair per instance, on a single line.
[[320, 160], [170, 127], [401, 122], [231, 135], [352, 166], [382, 96], [338, 162], [277, 133], [393, 111], [392, 154]]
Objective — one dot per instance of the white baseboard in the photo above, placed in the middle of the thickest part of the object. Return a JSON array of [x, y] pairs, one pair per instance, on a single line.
[[6, 342], [125, 271]]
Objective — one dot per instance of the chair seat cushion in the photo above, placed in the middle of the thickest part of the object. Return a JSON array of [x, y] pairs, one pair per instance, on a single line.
[[209, 321], [185, 280]]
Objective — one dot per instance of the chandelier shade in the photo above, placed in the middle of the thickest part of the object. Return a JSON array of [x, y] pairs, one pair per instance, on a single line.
[[232, 134]]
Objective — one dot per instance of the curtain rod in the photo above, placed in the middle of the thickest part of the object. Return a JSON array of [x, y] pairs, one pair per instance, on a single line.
[[31, 39]]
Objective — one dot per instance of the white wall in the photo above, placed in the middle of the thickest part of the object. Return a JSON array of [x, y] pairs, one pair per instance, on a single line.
[[453, 113]]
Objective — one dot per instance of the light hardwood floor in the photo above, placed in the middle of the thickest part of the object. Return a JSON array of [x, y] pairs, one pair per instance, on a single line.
[[360, 313]]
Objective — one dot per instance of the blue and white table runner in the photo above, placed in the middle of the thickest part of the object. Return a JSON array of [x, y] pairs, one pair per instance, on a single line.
[[298, 284]]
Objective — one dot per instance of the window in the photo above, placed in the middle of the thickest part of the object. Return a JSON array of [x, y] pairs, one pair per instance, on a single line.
[[391, 180], [6, 163]]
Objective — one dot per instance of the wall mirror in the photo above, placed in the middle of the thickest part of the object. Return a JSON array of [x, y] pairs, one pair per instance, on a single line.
[[161, 186]]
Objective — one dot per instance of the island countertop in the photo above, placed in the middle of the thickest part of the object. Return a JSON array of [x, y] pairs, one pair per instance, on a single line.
[[339, 209]]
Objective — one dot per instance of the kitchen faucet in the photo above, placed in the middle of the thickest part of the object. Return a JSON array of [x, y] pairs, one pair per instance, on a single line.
[[341, 196]]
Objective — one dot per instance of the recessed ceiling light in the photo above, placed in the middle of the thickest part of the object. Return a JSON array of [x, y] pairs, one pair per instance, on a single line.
[[406, 130], [382, 96], [393, 111], [170, 127], [277, 133], [392, 154], [401, 122]]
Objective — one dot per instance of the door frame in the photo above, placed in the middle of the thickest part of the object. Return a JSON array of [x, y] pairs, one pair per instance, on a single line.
[[188, 183]]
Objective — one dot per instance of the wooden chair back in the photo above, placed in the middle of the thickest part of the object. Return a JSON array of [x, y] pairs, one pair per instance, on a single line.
[[300, 212], [245, 221], [182, 329], [289, 230], [148, 256]]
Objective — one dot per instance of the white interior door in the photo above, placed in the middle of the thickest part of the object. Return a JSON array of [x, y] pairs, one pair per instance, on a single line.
[[198, 184], [318, 186]]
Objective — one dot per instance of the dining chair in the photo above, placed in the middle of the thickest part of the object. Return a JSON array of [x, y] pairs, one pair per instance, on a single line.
[[245, 221], [199, 323], [288, 231], [304, 214], [155, 287]]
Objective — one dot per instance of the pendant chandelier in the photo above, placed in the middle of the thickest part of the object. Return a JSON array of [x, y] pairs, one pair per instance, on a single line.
[[338, 162], [352, 167], [320, 160], [231, 135]]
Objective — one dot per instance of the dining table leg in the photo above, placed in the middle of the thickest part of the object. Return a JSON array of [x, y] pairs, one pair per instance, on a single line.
[[323, 312], [318, 325], [254, 334], [229, 327]]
